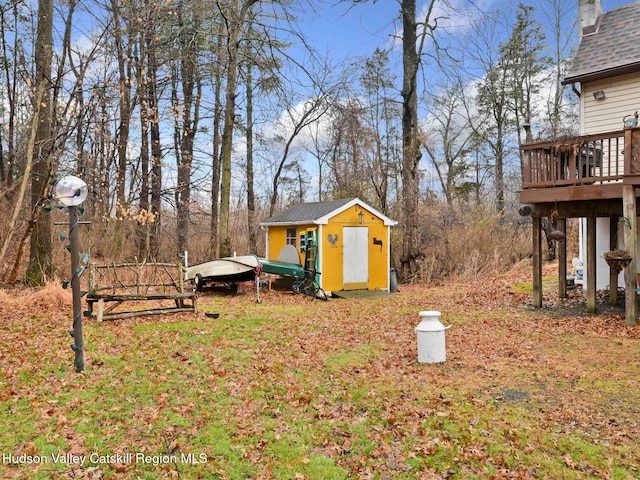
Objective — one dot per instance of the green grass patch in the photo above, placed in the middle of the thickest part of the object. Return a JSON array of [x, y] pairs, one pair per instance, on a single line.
[[527, 287], [352, 357]]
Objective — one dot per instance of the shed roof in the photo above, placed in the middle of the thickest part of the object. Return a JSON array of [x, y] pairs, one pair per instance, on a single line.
[[320, 212], [612, 49]]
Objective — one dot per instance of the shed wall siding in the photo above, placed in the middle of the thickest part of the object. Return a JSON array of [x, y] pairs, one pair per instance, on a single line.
[[278, 239], [332, 254]]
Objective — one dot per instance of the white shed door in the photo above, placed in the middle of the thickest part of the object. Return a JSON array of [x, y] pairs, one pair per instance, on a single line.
[[355, 258]]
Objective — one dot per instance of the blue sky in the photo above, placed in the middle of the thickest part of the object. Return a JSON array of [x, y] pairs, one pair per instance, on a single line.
[[350, 32], [360, 29]]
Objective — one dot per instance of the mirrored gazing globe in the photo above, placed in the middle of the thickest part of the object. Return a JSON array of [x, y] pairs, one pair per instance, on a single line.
[[71, 191]]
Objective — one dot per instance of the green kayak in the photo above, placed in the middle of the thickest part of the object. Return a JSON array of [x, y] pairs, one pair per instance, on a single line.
[[285, 269]]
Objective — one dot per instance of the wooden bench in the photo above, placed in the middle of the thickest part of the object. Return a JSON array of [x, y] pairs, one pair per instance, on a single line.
[[117, 284]]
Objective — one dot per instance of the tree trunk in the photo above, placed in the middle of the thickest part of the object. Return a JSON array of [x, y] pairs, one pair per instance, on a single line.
[[411, 251], [10, 277], [40, 259], [227, 142], [251, 204], [190, 113], [144, 225], [233, 40], [124, 86], [214, 241], [156, 155]]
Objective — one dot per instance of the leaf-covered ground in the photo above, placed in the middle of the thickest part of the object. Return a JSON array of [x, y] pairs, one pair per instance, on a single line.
[[300, 389]]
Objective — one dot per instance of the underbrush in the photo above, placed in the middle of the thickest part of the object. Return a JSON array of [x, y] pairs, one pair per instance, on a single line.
[[48, 298], [469, 243]]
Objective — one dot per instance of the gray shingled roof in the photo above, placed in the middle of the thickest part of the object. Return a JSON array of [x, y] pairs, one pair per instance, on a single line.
[[614, 48], [307, 212]]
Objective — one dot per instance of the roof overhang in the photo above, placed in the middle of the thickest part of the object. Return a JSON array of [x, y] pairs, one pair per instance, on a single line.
[[356, 201], [602, 74], [325, 218], [282, 224]]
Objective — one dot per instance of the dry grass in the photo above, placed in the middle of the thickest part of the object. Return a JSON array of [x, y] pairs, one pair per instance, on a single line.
[[50, 298], [467, 244]]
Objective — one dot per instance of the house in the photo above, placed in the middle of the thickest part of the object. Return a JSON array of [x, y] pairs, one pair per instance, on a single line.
[[595, 175], [348, 242]]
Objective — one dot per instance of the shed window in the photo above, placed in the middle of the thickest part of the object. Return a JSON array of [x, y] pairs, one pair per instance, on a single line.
[[292, 236]]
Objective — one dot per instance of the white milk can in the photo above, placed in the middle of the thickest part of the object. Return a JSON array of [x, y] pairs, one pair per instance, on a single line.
[[431, 338]]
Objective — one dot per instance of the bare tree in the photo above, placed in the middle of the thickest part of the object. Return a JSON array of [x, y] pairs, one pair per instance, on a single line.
[[40, 259], [233, 16], [10, 70], [412, 49], [312, 110], [448, 144], [188, 108], [557, 13], [214, 240], [382, 113]]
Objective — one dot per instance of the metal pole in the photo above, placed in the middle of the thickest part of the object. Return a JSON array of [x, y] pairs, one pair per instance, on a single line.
[[78, 346]]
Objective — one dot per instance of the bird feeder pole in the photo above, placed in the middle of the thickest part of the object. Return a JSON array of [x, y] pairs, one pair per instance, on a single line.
[[71, 192]]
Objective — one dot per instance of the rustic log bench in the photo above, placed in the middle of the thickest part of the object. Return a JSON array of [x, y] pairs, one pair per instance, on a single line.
[[117, 284]]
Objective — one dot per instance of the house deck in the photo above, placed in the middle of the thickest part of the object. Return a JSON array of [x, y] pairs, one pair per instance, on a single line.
[[586, 176]]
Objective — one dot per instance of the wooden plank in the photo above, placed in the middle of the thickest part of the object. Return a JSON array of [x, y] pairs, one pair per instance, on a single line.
[[120, 265], [591, 264], [631, 244], [613, 274], [139, 313], [123, 297], [100, 314], [599, 208], [132, 286], [572, 193], [562, 259], [537, 263], [156, 275]]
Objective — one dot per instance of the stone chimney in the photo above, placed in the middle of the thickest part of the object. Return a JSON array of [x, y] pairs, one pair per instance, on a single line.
[[588, 13]]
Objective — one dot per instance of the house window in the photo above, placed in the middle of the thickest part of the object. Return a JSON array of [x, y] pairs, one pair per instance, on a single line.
[[292, 236]]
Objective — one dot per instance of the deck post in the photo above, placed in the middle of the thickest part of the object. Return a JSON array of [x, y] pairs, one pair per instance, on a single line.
[[537, 262], [591, 264], [631, 244], [562, 259], [613, 274]]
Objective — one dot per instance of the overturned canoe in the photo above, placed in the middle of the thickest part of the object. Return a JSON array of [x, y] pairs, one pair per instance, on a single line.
[[224, 270]]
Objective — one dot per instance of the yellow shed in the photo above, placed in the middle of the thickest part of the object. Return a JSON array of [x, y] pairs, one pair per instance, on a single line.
[[352, 239]]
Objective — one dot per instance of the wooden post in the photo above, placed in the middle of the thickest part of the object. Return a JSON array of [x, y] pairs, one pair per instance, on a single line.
[[180, 277], [613, 274], [92, 278], [562, 259], [631, 244], [537, 262], [100, 311], [591, 264]]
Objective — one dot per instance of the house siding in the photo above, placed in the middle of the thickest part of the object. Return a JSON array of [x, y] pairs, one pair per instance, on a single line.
[[622, 98]]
